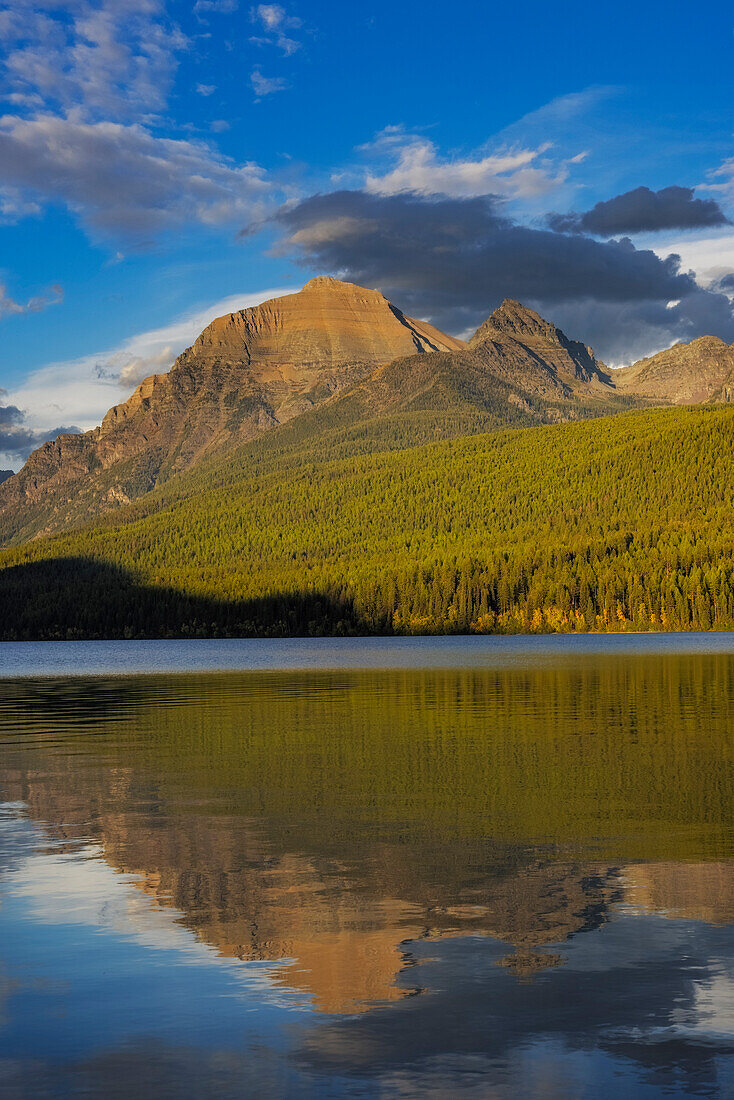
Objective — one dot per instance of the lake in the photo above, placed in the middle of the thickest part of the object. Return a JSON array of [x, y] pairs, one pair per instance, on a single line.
[[487, 867]]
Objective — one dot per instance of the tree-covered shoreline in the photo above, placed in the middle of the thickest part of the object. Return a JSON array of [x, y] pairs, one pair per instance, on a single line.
[[619, 523]]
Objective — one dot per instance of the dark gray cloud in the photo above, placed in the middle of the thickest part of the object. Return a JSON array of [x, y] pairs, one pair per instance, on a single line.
[[643, 211], [454, 260], [17, 439]]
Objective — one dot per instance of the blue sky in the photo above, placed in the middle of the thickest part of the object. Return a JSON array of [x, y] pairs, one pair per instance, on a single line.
[[158, 163]]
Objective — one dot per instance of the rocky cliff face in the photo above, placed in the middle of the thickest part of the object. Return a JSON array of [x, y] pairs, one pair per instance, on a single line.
[[686, 374], [517, 367], [516, 332], [246, 373]]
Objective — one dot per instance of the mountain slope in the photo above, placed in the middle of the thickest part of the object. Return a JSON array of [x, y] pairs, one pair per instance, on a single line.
[[617, 523], [493, 384], [517, 370], [246, 373], [307, 357], [686, 374]]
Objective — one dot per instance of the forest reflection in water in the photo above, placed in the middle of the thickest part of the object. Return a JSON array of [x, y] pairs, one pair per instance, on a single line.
[[505, 879]]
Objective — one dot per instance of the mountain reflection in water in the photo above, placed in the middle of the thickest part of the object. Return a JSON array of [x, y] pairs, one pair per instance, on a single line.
[[413, 882]]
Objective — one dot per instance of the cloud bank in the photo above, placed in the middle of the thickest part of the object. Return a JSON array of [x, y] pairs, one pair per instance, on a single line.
[[86, 80], [417, 167], [120, 180], [113, 58], [454, 259]]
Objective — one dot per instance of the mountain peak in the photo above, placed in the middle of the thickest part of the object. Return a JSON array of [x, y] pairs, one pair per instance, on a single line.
[[514, 319], [328, 284], [246, 372], [324, 280], [510, 307], [514, 323]]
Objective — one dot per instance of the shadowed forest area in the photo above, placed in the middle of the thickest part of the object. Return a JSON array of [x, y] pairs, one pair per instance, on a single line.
[[74, 598]]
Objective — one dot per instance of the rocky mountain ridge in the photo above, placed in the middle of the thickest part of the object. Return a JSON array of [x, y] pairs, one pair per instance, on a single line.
[[517, 367], [686, 374], [571, 360], [347, 350]]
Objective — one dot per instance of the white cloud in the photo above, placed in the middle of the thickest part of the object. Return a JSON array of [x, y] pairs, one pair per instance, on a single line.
[[274, 21], [15, 205], [566, 108], [519, 173], [80, 391], [723, 177], [266, 85], [217, 7], [134, 370], [411, 163], [274, 17], [112, 58], [121, 180], [710, 257]]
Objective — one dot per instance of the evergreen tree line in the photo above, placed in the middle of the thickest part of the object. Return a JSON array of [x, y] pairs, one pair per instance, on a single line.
[[621, 523]]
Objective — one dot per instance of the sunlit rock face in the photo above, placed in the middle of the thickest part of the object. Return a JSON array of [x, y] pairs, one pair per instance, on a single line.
[[264, 365], [686, 374], [245, 374]]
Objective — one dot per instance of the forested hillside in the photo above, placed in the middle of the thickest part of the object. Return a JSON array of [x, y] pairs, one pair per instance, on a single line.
[[620, 523], [332, 344]]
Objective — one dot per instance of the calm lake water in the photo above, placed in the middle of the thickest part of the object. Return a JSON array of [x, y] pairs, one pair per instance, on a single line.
[[394, 868]]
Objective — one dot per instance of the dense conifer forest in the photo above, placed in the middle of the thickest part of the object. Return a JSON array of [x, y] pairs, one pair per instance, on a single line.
[[613, 524]]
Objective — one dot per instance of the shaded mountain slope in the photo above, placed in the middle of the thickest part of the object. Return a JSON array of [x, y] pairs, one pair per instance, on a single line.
[[517, 368], [520, 333]]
